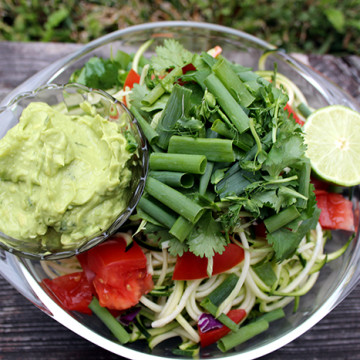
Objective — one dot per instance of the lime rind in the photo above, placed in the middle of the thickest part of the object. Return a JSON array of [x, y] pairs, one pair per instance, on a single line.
[[332, 136]]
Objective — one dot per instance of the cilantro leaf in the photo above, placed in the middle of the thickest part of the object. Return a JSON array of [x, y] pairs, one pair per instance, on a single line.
[[98, 73], [285, 152], [176, 247], [172, 54], [206, 238]]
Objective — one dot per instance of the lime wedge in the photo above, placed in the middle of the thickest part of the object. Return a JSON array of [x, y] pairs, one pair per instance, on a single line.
[[332, 136]]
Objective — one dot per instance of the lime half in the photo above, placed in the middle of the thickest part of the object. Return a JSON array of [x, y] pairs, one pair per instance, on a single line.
[[332, 136]]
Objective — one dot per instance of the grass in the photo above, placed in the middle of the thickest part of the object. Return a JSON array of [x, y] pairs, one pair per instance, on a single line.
[[316, 26]]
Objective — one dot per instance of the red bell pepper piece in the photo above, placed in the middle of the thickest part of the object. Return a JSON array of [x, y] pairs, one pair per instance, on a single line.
[[190, 267], [212, 336], [132, 78], [290, 110]]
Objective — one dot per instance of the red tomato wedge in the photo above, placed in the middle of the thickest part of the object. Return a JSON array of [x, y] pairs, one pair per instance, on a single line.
[[191, 267], [120, 277], [336, 211], [73, 291], [290, 110], [212, 336]]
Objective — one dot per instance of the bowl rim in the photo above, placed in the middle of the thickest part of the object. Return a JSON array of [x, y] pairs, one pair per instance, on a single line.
[[345, 286]]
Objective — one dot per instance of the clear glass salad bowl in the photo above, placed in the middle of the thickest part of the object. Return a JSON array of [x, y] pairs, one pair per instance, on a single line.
[[68, 99], [337, 278]]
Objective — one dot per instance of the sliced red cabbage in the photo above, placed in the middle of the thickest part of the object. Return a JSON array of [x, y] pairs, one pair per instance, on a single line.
[[130, 316], [207, 322]]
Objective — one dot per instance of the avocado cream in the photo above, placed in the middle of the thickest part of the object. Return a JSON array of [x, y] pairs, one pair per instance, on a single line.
[[62, 178]]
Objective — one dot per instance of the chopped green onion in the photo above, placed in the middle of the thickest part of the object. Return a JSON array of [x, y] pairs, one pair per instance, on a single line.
[[304, 184], [181, 228], [178, 102], [304, 110], [205, 178], [231, 108], [151, 135], [174, 178], [243, 141], [173, 199], [159, 89], [232, 82], [271, 315], [219, 150], [243, 334], [217, 296], [193, 164], [114, 326], [279, 220], [157, 212]]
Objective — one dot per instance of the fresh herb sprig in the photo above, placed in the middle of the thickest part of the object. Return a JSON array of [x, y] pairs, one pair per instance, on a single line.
[[264, 180]]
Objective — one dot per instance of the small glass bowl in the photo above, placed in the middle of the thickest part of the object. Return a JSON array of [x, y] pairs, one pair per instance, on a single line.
[[72, 95]]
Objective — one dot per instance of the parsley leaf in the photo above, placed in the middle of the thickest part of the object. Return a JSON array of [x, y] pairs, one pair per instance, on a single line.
[[206, 238], [172, 54]]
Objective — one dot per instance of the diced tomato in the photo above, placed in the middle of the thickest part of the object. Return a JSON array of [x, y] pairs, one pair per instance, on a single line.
[[289, 109], [117, 276], [110, 259], [336, 211], [120, 276], [73, 291], [130, 287], [212, 336], [191, 267], [90, 275]]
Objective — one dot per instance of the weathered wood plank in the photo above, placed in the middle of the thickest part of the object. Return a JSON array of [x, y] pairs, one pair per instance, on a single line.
[[27, 333]]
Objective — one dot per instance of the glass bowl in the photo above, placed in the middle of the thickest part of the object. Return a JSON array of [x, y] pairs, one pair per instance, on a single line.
[[337, 278], [76, 99]]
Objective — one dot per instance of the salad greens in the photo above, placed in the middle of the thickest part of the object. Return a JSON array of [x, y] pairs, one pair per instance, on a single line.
[[187, 99]]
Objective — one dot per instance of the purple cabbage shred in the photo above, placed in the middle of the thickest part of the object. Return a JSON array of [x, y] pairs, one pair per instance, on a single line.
[[127, 318], [207, 322]]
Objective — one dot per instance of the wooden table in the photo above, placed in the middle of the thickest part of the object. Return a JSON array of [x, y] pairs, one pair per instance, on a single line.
[[27, 333]]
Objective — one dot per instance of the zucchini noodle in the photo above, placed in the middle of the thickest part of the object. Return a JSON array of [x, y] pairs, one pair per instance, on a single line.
[[176, 315]]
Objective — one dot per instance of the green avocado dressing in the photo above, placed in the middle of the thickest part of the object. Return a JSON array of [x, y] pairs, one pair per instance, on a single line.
[[62, 178]]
